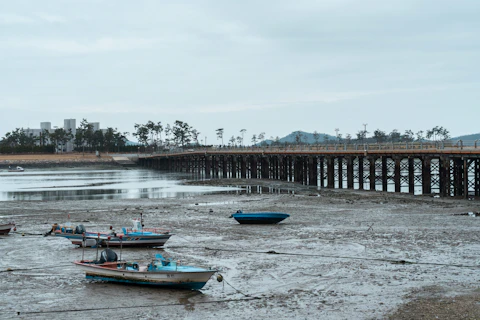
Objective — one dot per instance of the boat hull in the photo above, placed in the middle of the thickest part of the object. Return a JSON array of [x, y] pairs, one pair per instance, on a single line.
[[127, 241], [181, 277], [260, 218], [5, 228]]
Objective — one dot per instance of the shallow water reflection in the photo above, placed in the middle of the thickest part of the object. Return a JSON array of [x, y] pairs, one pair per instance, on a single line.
[[85, 184]]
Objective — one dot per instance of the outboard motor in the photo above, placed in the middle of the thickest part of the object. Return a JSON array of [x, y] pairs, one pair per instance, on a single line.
[[80, 229], [107, 255]]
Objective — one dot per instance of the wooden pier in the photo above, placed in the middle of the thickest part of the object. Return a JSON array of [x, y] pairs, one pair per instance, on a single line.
[[427, 170]]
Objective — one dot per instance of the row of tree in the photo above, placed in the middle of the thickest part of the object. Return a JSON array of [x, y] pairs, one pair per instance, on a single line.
[[85, 139], [180, 134], [379, 136], [88, 139]]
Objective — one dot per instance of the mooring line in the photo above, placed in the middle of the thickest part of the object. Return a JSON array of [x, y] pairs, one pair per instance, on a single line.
[[131, 307], [393, 261]]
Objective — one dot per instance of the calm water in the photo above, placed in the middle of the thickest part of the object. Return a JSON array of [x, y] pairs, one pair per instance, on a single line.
[[84, 184]]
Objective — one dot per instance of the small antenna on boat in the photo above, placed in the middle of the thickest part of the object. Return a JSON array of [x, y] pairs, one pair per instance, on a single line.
[[121, 238], [83, 245], [98, 242]]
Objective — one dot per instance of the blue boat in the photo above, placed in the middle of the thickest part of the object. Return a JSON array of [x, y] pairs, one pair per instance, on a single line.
[[259, 217]]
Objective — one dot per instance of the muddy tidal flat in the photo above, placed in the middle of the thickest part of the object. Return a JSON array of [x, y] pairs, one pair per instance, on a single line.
[[340, 255]]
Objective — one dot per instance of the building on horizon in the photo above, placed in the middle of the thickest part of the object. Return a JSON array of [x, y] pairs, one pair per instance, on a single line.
[[70, 124], [46, 126], [95, 126]]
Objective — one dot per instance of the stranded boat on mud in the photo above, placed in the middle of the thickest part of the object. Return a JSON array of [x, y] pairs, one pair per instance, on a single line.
[[160, 272], [6, 227], [17, 169], [137, 236], [259, 217]]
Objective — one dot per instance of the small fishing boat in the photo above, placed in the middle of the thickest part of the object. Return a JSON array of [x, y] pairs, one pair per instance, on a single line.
[[259, 217], [137, 236], [6, 227], [159, 272], [17, 169]]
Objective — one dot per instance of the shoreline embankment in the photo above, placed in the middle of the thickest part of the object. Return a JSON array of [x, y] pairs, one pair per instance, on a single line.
[[55, 160]]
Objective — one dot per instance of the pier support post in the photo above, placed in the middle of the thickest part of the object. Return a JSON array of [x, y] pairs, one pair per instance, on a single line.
[[243, 167], [349, 172], [313, 177], [397, 178], [253, 164], [426, 175], [411, 175], [360, 172], [330, 172], [340, 172], [384, 174], [372, 174], [208, 166], [322, 172]]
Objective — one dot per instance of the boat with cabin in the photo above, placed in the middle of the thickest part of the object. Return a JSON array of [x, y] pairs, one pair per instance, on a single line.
[[136, 236], [160, 272]]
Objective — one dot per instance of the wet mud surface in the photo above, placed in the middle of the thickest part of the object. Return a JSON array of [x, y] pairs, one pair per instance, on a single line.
[[340, 255]]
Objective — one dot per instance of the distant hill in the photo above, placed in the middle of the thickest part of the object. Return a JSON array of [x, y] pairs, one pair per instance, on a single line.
[[132, 143], [468, 140], [306, 137]]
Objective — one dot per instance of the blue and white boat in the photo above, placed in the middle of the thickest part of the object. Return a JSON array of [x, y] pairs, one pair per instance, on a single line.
[[160, 272], [259, 217], [137, 236]]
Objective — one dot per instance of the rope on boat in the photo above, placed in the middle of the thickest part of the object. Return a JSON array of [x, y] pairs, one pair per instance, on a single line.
[[131, 307], [27, 233], [35, 268], [221, 278]]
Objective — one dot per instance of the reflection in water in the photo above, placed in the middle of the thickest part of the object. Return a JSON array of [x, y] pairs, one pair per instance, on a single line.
[[85, 184]]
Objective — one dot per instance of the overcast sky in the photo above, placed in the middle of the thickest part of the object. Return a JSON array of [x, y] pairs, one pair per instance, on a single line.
[[268, 66]]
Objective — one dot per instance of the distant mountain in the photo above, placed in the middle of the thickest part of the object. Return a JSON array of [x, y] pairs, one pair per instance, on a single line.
[[132, 143], [468, 140], [305, 137]]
